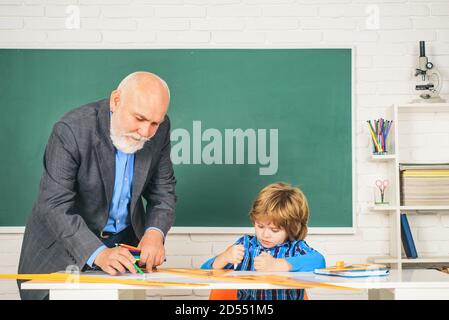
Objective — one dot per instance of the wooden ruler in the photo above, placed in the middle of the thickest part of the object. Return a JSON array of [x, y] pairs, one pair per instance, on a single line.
[[75, 278], [220, 275]]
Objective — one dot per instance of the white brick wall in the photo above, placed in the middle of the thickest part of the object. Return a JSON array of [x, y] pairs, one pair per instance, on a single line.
[[386, 55]]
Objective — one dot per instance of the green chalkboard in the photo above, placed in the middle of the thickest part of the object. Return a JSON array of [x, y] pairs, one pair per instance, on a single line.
[[241, 119]]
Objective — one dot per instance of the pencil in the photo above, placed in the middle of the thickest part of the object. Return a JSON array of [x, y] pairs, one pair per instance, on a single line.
[[375, 141], [128, 247], [374, 133], [138, 269]]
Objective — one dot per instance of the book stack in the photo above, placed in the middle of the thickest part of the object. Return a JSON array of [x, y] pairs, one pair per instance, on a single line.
[[424, 184], [354, 271]]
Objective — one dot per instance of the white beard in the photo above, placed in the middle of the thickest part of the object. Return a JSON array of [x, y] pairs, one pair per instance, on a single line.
[[125, 144]]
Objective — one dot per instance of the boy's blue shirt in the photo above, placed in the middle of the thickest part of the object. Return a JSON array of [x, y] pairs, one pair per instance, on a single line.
[[298, 254]]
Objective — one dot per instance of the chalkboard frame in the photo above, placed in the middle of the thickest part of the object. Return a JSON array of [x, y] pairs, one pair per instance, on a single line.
[[242, 230]]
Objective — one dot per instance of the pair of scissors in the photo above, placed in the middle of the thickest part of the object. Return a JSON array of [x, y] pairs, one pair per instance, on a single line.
[[382, 185]]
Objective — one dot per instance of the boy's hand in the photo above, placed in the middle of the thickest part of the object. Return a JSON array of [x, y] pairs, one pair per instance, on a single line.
[[266, 262], [234, 254]]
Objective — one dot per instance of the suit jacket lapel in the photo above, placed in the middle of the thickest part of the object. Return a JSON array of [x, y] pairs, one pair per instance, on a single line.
[[142, 163], [105, 151]]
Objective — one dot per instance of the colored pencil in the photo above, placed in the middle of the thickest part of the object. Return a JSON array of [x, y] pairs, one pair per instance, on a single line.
[[131, 248], [379, 130], [375, 141], [138, 269]]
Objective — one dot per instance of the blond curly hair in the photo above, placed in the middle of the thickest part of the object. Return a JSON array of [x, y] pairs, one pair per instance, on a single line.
[[285, 206]]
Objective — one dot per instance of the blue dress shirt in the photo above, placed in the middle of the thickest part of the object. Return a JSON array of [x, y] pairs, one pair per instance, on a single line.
[[119, 218]]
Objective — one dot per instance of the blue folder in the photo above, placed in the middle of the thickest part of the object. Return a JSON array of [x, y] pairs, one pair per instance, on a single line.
[[407, 238]]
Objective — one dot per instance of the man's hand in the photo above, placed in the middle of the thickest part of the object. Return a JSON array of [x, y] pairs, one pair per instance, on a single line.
[[266, 262], [153, 251], [115, 260]]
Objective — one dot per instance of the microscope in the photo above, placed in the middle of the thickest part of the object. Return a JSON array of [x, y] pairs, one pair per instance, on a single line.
[[429, 84]]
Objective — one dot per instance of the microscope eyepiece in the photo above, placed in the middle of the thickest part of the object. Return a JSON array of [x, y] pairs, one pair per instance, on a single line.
[[422, 49]]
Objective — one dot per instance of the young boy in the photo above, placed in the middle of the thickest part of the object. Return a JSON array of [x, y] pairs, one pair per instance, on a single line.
[[279, 214]]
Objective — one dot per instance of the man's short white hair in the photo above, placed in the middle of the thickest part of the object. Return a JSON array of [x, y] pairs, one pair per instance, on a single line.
[[133, 77]]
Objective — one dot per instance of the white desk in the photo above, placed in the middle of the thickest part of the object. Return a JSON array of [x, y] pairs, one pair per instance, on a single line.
[[417, 284], [409, 284]]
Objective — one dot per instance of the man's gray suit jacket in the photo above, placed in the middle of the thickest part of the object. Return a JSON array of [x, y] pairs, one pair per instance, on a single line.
[[76, 188]]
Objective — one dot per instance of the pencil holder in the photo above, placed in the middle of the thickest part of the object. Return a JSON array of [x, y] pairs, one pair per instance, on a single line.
[[380, 137], [388, 149]]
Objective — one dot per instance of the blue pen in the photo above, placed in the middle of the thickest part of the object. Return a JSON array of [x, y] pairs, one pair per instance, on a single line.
[[383, 134], [378, 133], [388, 129], [382, 126]]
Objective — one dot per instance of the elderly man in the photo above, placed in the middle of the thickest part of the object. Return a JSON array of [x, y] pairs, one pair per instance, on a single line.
[[100, 160]]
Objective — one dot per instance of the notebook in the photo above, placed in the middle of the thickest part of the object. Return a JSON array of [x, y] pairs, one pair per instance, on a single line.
[[355, 271]]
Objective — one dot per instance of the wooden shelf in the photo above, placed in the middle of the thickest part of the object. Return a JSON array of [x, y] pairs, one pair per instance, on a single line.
[[407, 110], [426, 259], [424, 107], [423, 259], [402, 163], [382, 208], [387, 208], [386, 157], [425, 208], [384, 259]]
